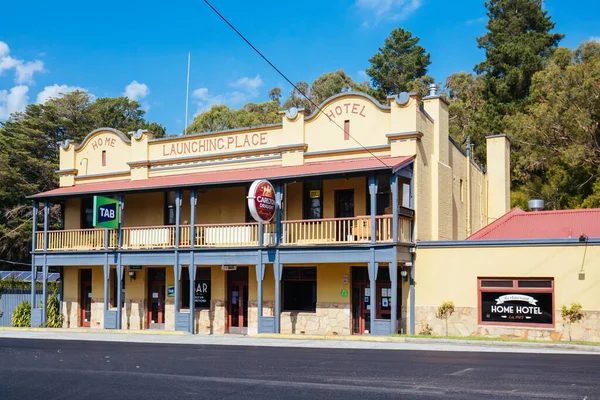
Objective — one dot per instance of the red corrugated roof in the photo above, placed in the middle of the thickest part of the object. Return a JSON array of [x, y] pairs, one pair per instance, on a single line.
[[561, 224], [232, 176]]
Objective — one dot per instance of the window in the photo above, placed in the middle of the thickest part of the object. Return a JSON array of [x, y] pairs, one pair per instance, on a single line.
[[462, 191], [299, 288], [87, 213], [313, 200], [405, 195], [516, 301], [384, 196], [202, 286], [346, 130], [104, 158], [170, 208]]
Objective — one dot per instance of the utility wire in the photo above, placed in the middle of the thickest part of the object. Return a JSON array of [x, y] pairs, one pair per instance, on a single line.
[[14, 262], [287, 79]]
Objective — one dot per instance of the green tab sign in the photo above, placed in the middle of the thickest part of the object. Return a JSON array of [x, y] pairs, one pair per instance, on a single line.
[[106, 212]]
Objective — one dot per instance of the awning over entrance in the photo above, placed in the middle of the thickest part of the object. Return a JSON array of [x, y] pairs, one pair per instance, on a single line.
[[233, 176]]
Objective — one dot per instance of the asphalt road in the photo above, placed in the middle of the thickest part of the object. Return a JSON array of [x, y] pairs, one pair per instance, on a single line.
[[52, 369]]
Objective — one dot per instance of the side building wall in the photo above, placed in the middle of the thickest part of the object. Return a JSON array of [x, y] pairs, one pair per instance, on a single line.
[[451, 274]]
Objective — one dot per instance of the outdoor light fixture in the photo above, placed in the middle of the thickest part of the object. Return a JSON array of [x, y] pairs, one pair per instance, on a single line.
[[404, 274], [583, 239], [131, 275]]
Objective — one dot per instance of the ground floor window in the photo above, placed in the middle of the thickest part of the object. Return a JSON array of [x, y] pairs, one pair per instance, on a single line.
[[201, 287], [299, 288], [516, 301]]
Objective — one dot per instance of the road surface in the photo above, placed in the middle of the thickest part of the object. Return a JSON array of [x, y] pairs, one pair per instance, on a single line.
[[60, 369]]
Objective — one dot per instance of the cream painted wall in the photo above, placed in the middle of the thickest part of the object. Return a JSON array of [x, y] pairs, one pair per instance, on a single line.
[[439, 166], [359, 185], [72, 213], [450, 274]]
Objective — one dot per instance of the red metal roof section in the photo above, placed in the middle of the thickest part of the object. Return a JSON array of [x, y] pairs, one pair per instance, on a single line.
[[561, 224], [233, 176]]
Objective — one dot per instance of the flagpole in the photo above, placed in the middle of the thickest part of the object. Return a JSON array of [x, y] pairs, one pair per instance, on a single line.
[[187, 96]]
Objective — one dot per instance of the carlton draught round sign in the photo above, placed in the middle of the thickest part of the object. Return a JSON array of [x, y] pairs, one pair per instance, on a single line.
[[261, 200]]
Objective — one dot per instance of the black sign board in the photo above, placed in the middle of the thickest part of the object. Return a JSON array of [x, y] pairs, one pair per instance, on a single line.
[[516, 308], [202, 294]]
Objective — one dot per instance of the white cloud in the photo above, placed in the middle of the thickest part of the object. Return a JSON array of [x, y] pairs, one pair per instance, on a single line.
[[248, 84], [476, 21], [4, 50], [24, 71], [55, 91], [362, 76], [248, 89], [390, 10], [136, 90], [595, 39], [13, 101]]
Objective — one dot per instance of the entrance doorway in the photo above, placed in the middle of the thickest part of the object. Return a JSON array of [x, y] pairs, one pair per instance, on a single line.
[[237, 310], [156, 298], [344, 203], [362, 296], [85, 297]]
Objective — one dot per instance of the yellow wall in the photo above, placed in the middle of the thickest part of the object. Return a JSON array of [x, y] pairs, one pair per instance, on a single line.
[[330, 283], [450, 274], [439, 166], [144, 209], [72, 213]]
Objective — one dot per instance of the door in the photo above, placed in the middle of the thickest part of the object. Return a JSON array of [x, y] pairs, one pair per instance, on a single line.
[[344, 208], [237, 310], [156, 298], [344, 203], [85, 297], [361, 308]]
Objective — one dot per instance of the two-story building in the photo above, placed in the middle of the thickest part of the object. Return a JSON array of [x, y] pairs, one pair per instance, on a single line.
[[357, 183]]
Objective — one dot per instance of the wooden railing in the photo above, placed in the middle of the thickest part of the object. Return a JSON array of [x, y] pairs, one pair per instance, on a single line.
[[337, 230], [77, 239], [153, 237], [293, 233]]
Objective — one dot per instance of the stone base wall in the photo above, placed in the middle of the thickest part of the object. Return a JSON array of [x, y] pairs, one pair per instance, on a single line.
[[97, 313], [268, 311], [134, 315], [328, 319], [70, 313], [464, 322]]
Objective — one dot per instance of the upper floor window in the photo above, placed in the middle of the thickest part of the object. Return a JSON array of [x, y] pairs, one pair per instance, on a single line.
[[87, 213], [313, 200], [170, 208]]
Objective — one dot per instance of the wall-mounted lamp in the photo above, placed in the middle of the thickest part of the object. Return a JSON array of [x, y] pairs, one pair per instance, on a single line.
[[404, 274], [583, 238], [131, 275]]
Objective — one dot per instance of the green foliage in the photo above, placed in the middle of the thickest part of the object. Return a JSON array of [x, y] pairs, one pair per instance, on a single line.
[[29, 155], [556, 138], [400, 61], [427, 330], [54, 318], [21, 284], [516, 45], [572, 315], [445, 310], [220, 117], [21, 317]]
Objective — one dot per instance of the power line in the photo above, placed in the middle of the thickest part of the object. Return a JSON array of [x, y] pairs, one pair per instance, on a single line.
[[14, 262], [287, 79]]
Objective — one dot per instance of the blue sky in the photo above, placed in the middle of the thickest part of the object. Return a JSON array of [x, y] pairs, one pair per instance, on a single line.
[[140, 48]]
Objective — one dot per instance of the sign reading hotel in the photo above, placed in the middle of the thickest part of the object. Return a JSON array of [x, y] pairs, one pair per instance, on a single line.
[[261, 201], [516, 308], [106, 212], [215, 144]]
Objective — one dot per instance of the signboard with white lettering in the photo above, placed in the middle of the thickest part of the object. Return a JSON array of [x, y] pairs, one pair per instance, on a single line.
[[261, 200], [202, 294], [106, 212], [517, 308]]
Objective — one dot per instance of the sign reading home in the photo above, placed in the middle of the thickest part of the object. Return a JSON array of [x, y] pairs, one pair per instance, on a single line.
[[106, 212], [516, 308], [261, 200]]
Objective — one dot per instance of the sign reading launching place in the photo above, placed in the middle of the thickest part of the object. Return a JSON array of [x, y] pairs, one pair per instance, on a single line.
[[261, 200], [106, 212]]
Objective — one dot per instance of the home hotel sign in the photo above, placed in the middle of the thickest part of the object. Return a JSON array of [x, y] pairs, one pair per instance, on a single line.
[[511, 308]]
